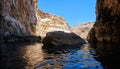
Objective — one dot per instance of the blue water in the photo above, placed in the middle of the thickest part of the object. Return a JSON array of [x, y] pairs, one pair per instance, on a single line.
[[34, 56], [81, 59]]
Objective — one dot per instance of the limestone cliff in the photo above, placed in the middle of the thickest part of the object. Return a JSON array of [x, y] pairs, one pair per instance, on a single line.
[[17, 17], [107, 25], [82, 30], [22, 18], [55, 31], [50, 23]]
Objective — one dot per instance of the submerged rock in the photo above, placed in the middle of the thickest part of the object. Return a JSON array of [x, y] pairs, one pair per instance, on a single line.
[[59, 38]]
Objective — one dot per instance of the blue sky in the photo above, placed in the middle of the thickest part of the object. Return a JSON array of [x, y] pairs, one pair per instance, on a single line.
[[73, 11]]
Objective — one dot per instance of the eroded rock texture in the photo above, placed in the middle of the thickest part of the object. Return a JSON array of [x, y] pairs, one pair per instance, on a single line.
[[107, 25], [22, 18], [50, 23], [17, 17], [82, 30], [55, 31]]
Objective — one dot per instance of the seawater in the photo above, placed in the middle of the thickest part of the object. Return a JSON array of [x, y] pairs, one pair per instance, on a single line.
[[21, 55]]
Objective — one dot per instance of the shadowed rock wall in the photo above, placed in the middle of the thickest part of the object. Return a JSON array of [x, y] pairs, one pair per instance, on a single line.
[[17, 17], [107, 25]]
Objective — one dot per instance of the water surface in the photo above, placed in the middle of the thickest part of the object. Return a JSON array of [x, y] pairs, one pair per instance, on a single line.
[[35, 56]]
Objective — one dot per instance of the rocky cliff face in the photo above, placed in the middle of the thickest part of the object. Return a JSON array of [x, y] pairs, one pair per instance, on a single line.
[[50, 23], [107, 25], [82, 30], [22, 18], [55, 31], [17, 17]]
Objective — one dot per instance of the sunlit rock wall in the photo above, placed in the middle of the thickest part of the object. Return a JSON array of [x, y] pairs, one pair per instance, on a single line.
[[82, 30], [17, 17], [50, 23], [107, 25]]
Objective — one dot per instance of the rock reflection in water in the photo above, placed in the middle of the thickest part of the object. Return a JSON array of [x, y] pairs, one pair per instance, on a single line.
[[20, 55], [33, 56], [79, 58], [108, 55]]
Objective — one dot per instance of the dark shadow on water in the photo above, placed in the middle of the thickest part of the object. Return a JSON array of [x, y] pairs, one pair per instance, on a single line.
[[14, 55], [108, 55], [60, 49], [33, 55]]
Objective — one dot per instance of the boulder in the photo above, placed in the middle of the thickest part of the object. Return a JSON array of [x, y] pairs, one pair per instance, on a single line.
[[59, 38]]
